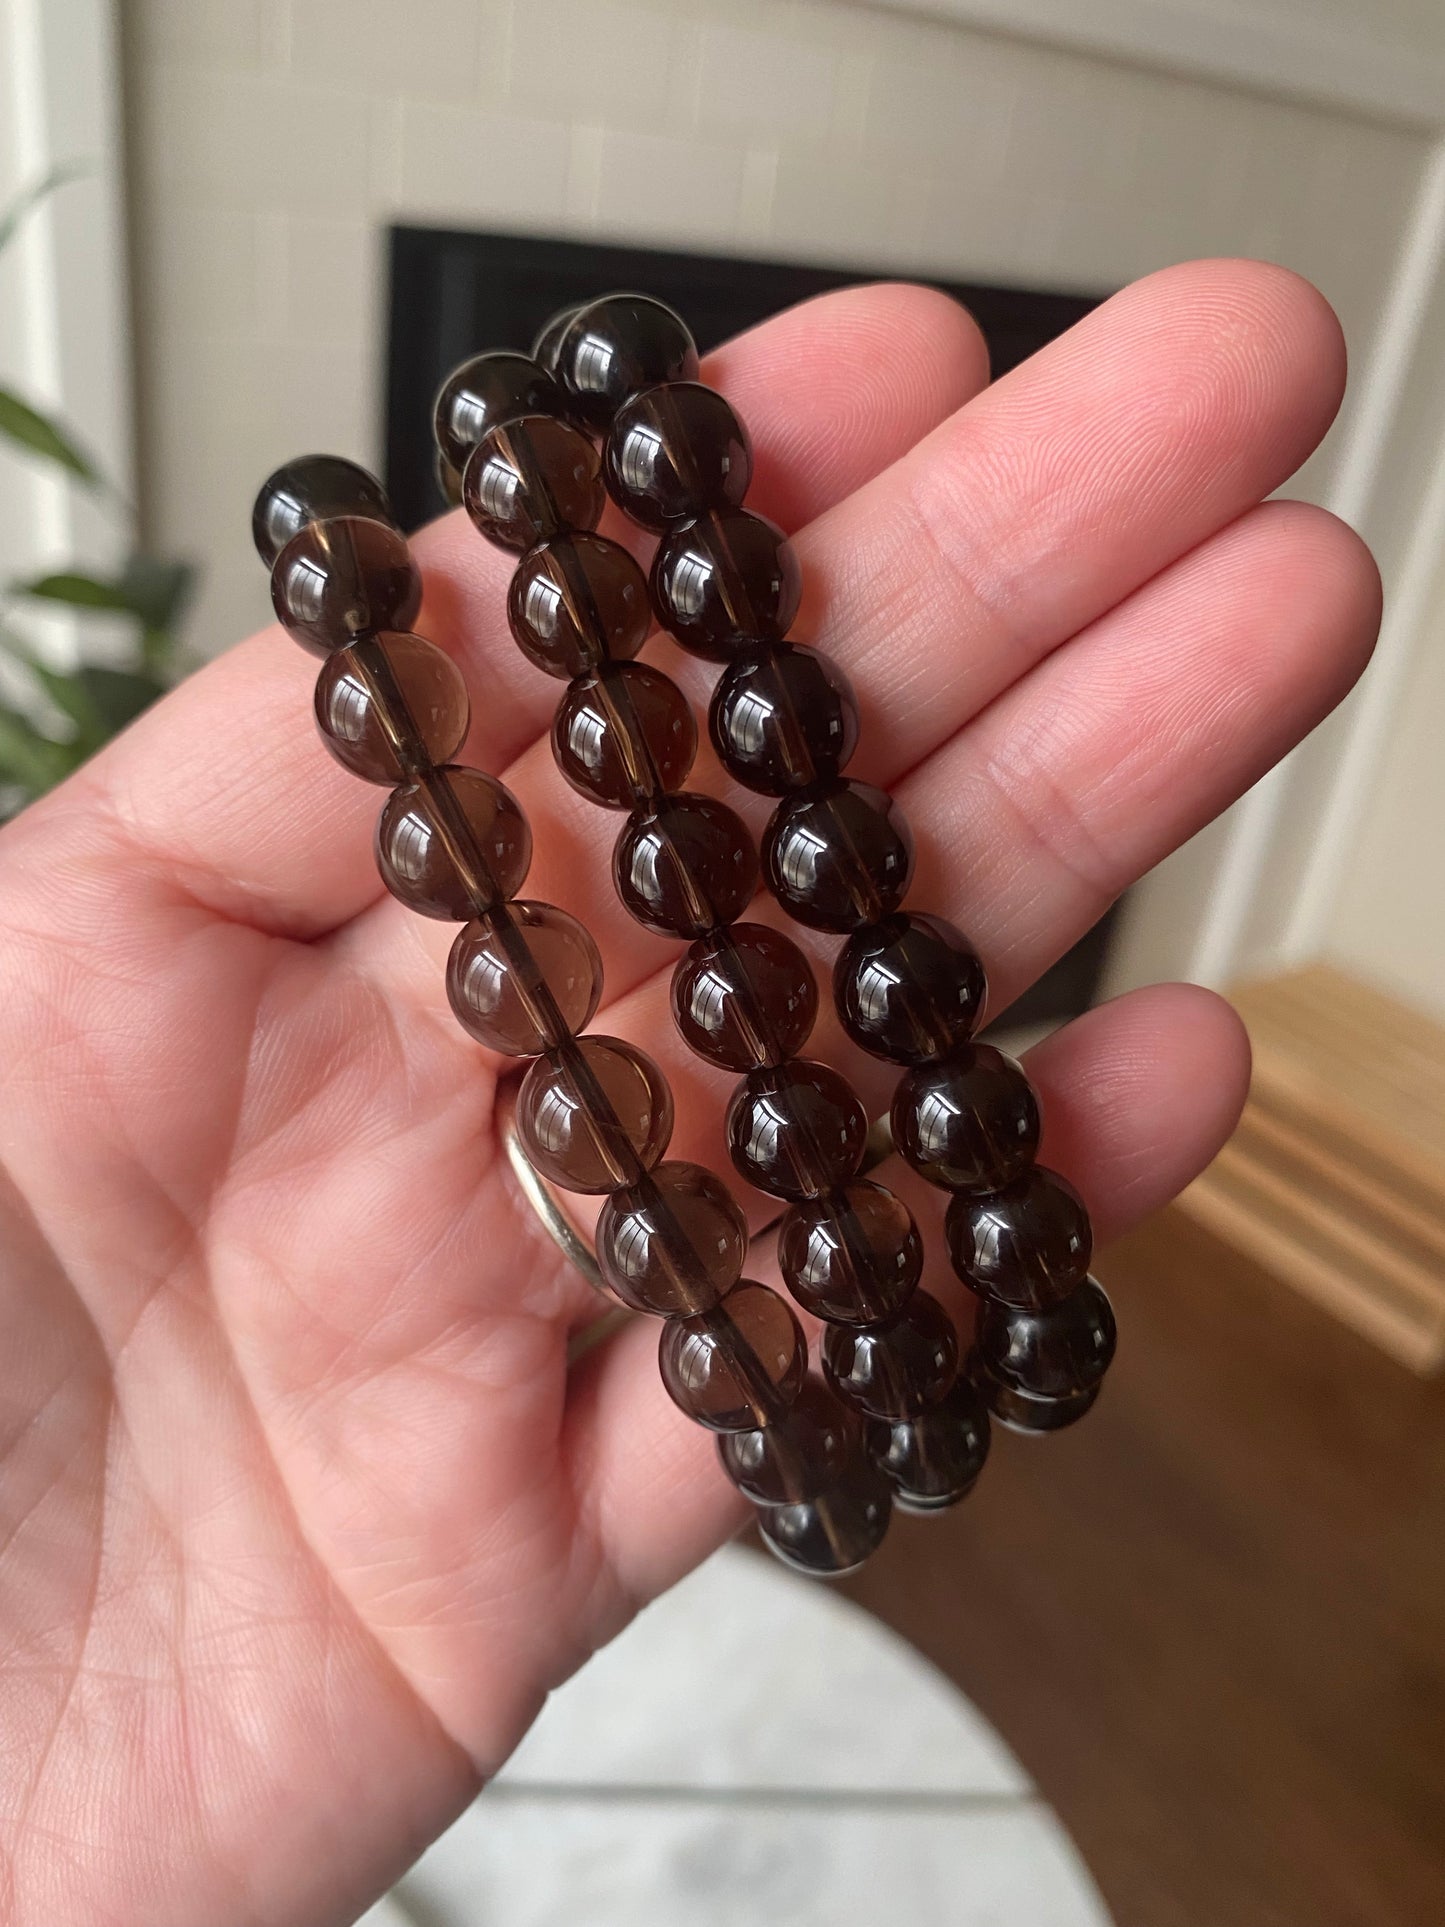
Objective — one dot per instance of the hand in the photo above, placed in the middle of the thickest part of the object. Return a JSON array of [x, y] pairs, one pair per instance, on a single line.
[[301, 1513]]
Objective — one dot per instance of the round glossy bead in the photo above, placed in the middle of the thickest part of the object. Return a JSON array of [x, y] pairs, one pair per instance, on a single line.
[[933, 1459], [1028, 1244], [685, 865], [853, 1257], [575, 601], [456, 849], [781, 719], [724, 582], [968, 1122], [624, 735], [615, 345], [839, 858], [449, 481], [532, 478], [411, 681], [910, 988], [595, 1115], [802, 1455], [738, 1366], [343, 578], [796, 1130], [1062, 1349], [313, 488], [1024, 1411], [675, 450], [892, 1371], [673, 1244], [524, 983], [836, 1533], [744, 997], [549, 338], [484, 391]]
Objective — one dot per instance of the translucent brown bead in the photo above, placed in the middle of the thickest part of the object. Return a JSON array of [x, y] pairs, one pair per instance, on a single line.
[[783, 718], [800, 1456], [486, 390], [675, 450], [453, 846], [1024, 1411], [796, 1130], [624, 735], [673, 1244], [893, 1370], [738, 1366], [933, 1459], [613, 346], [744, 997], [575, 601], [1053, 1353], [532, 478], [685, 865], [836, 1533], [853, 1257], [525, 982], [595, 1115], [724, 582], [391, 706], [343, 578], [1028, 1244], [549, 338], [910, 988], [838, 858], [449, 481], [969, 1121], [313, 488]]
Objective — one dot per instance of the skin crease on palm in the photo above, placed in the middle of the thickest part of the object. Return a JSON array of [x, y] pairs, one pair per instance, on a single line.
[[301, 1512]]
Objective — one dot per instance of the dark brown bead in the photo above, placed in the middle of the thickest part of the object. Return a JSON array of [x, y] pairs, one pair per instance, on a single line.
[[530, 479], [684, 865], [745, 996], [575, 601], [343, 578], [910, 988], [1024, 1411], [933, 1459], [486, 390], [673, 1244], [615, 345], [796, 1130], [836, 1533], [737, 1366], [524, 981], [313, 488], [727, 581], [1028, 1244], [391, 706], [807, 1451], [969, 1121], [449, 481], [892, 1371], [838, 858], [1053, 1353], [594, 1115], [675, 450], [853, 1257], [624, 735], [783, 718], [453, 845], [549, 337]]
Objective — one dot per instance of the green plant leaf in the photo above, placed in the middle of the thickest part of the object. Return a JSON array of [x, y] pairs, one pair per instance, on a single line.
[[157, 592], [31, 196], [30, 759], [77, 591], [27, 428], [118, 695]]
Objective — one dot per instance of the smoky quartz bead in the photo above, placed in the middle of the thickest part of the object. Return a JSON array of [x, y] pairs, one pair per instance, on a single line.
[[782, 719], [524, 982], [1024, 1411], [606, 350], [739, 1366], [1055, 1352], [449, 481], [675, 450], [343, 578], [724, 582], [893, 1370], [796, 1130], [673, 1244], [839, 857], [391, 707], [453, 845], [313, 488], [486, 390], [624, 735], [967, 1122], [836, 1533], [803, 1454], [575, 601], [744, 996], [909, 988], [1028, 1244], [685, 865], [549, 338], [530, 479], [594, 1115], [852, 1257], [933, 1459]]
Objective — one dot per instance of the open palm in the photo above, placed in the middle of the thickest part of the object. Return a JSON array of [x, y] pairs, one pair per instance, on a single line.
[[301, 1511]]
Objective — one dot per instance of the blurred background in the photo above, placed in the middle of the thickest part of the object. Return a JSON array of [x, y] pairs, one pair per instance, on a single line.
[[1207, 1631]]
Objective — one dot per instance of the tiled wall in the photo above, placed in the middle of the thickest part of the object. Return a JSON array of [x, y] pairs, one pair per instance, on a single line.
[[272, 141]]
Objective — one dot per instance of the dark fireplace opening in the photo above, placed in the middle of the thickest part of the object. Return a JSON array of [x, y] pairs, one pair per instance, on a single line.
[[453, 294]]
